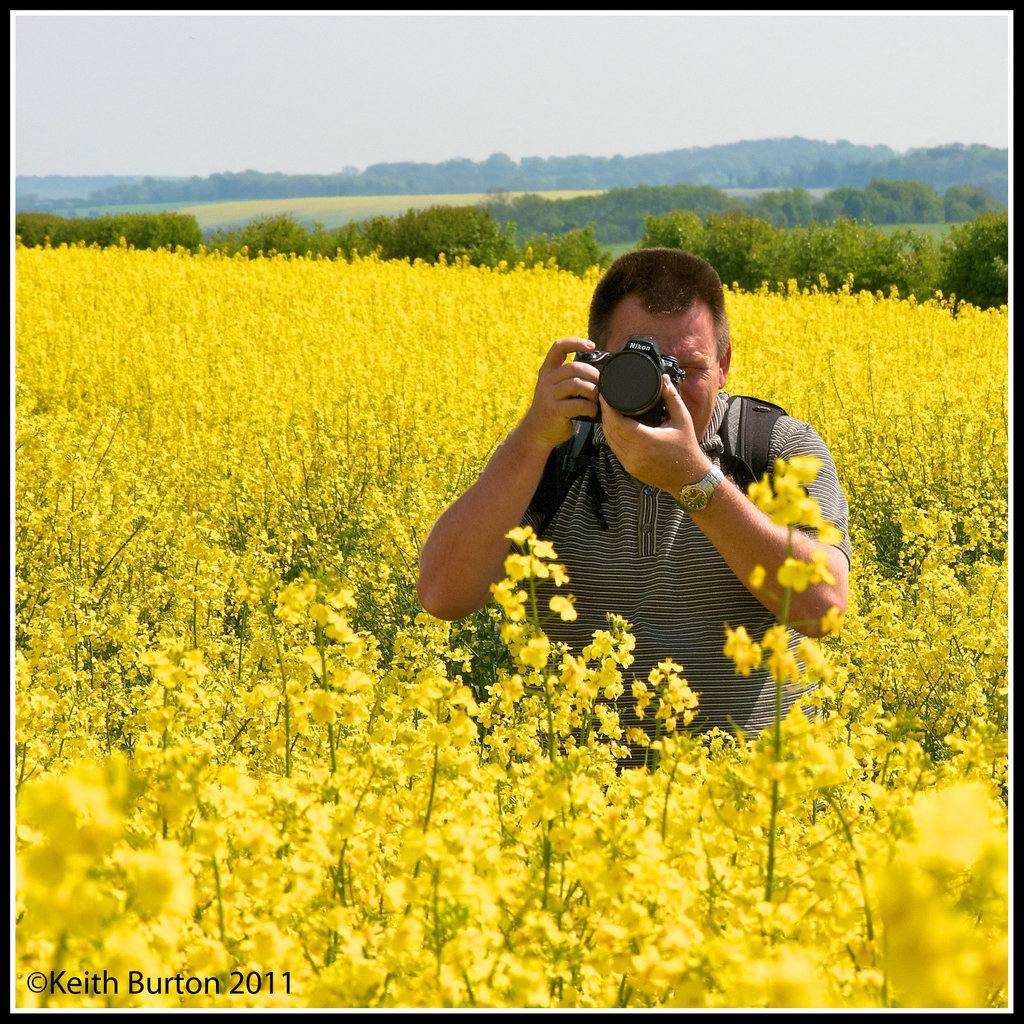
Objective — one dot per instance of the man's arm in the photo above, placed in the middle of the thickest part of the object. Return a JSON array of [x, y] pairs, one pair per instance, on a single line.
[[746, 538], [669, 457], [465, 550]]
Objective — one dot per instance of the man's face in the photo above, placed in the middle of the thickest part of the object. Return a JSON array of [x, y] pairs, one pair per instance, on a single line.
[[690, 338]]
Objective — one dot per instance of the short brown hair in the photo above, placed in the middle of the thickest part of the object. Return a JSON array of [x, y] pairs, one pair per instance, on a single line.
[[666, 281]]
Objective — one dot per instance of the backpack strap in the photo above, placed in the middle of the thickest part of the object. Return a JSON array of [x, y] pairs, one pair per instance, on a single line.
[[746, 431]]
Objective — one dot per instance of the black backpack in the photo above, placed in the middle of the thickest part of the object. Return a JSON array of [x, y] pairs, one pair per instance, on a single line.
[[745, 432]]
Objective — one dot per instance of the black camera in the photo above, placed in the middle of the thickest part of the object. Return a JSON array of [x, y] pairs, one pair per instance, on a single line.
[[631, 379]]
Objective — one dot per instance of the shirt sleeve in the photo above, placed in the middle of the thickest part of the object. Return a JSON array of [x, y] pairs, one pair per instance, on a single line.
[[791, 438]]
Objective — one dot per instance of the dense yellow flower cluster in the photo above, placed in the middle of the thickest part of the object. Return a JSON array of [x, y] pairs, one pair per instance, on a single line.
[[250, 772]]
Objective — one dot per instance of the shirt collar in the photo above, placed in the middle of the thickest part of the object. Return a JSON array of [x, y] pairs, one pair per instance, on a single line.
[[711, 443]]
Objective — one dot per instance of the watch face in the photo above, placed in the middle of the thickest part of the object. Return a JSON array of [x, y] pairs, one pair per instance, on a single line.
[[694, 499], [697, 497]]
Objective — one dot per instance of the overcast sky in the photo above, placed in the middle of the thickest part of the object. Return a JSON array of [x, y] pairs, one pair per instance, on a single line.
[[192, 94]]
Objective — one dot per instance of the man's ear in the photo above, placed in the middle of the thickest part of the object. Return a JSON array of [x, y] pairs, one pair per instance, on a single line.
[[723, 366]]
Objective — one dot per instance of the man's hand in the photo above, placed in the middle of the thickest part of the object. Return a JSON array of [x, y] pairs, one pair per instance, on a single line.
[[668, 456], [563, 390]]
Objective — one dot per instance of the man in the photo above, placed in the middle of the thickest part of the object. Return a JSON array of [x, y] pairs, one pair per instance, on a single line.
[[676, 565]]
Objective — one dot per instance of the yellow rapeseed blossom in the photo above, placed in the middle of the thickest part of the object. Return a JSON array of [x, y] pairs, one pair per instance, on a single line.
[[742, 650]]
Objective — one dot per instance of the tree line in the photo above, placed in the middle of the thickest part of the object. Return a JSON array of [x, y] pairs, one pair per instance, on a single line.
[[764, 163], [140, 230], [459, 232], [618, 215], [971, 262]]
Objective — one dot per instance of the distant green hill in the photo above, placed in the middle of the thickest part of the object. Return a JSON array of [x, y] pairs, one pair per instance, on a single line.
[[757, 164], [61, 186]]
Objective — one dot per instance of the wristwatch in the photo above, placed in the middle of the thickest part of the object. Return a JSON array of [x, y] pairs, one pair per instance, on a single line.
[[696, 497]]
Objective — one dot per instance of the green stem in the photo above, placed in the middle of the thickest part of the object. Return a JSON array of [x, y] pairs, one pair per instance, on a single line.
[[433, 789], [769, 884], [284, 692], [535, 621], [321, 643], [624, 992], [668, 790], [220, 901], [868, 922], [241, 643], [21, 770], [551, 718], [195, 612], [547, 864], [58, 959]]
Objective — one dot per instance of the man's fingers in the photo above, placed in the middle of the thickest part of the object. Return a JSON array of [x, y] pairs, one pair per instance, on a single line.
[[674, 405], [561, 348], [564, 390], [582, 373], [616, 423]]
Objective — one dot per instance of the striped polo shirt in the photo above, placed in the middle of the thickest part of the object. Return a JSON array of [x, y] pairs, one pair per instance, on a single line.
[[631, 549]]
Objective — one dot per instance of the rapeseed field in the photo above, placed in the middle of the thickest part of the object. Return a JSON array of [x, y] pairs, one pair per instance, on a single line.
[[249, 771]]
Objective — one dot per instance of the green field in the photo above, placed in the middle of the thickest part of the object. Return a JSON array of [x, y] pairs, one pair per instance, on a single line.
[[816, 194], [330, 211]]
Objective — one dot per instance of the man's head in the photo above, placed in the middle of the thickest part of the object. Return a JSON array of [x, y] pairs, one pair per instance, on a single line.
[[677, 299], [665, 281]]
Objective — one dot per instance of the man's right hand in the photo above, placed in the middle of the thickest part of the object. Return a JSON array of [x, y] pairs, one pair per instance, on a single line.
[[563, 391]]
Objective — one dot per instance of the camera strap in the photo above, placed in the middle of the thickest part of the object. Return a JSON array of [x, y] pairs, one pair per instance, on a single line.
[[565, 463]]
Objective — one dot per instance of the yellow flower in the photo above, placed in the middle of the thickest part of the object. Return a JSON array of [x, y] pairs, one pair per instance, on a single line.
[[783, 667], [518, 567], [795, 575], [955, 824], [159, 880], [542, 549], [814, 658], [742, 650], [776, 638], [832, 622], [520, 535], [511, 600], [822, 573], [536, 652], [802, 468], [324, 706], [760, 493], [291, 812], [512, 687], [829, 534]]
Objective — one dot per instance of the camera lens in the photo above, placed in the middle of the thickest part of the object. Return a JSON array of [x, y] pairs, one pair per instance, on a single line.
[[631, 383]]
